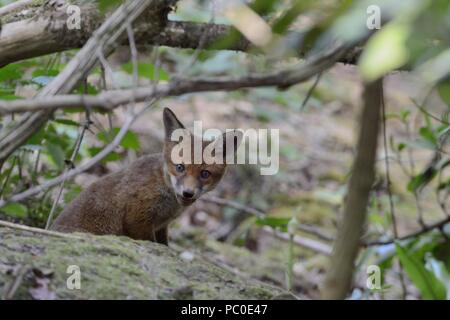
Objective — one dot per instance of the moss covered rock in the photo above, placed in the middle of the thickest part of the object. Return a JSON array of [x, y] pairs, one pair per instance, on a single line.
[[36, 265]]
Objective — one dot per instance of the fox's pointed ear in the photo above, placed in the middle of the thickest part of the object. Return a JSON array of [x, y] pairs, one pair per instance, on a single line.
[[171, 122]]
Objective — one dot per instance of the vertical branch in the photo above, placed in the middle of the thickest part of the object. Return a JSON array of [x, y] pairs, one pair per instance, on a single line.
[[388, 173], [339, 277], [69, 166], [389, 191]]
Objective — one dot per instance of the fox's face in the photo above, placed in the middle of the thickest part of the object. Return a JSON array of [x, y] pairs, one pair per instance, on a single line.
[[190, 180]]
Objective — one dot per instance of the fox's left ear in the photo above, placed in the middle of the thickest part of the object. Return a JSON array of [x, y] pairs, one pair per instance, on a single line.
[[171, 122], [232, 140]]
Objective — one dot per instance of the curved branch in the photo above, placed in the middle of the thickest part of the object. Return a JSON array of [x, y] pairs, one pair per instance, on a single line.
[[427, 228], [109, 100]]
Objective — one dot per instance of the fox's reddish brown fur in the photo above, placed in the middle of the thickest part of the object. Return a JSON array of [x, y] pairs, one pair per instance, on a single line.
[[141, 200]]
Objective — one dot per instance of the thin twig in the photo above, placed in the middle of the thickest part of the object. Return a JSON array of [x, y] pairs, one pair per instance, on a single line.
[[388, 176], [36, 166], [201, 43], [107, 69], [310, 91], [68, 167], [306, 243], [233, 204], [11, 290], [8, 175], [422, 231], [21, 227], [425, 111], [442, 199], [389, 191], [135, 63]]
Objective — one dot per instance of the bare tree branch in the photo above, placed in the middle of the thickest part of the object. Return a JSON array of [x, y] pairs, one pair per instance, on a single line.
[[14, 7], [300, 241], [185, 34], [109, 100], [43, 29], [5, 224], [424, 229]]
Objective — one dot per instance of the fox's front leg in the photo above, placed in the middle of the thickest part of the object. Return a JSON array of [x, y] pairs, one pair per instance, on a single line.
[[162, 236]]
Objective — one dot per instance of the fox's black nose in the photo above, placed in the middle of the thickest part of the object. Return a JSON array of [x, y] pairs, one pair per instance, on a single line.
[[188, 194]]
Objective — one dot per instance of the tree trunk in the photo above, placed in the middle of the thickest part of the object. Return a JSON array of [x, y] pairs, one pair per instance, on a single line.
[[339, 277]]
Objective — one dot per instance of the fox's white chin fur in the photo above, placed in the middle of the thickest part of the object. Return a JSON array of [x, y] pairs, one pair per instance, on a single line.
[[183, 201], [180, 199]]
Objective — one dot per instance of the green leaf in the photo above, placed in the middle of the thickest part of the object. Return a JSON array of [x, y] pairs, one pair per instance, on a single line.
[[289, 16], [15, 210], [263, 7], [420, 144], [105, 5], [81, 89], [401, 146], [9, 97], [146, 70], [36, 138], [421, 180], [56, 154], [444, 91], [229, 40], [113, 156], [11, 72], [67, 122], [385, 51], [72, 193], [404, 114], [129, 141], [44, 72], [273, 222], [440, 271], [429, 287], [428, 135]]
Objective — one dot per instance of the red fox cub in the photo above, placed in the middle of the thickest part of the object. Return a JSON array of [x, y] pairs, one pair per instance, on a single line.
[[141, 200]]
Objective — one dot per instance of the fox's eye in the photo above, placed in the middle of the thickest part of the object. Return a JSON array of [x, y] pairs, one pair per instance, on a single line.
[[179, 168], [204, 174]]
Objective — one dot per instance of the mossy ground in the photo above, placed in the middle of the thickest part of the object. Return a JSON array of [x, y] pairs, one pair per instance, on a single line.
[[118, 268]]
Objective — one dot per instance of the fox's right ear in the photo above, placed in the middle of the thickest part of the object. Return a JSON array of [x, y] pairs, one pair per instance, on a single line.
[[171, 122]]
